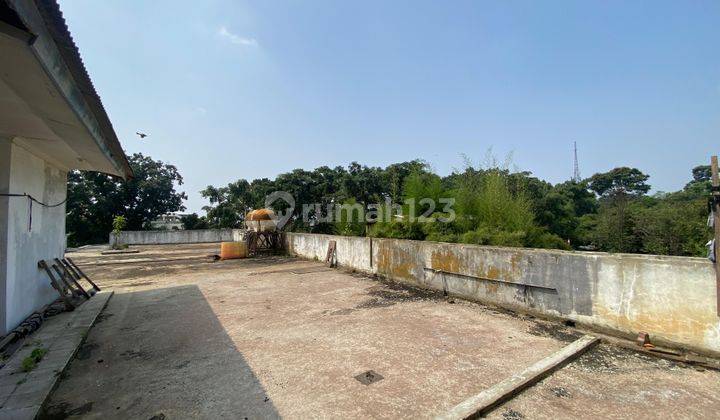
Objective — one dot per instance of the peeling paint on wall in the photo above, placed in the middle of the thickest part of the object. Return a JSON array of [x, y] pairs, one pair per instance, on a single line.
[[445, 260], [395, 262]]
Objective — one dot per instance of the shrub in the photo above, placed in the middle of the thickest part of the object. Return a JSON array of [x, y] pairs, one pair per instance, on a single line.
[[483, 198], [674, 228], [351, 219], [542, 238], [492, 236], [398, 230], [119, 223], [439, 231], [29, 363]]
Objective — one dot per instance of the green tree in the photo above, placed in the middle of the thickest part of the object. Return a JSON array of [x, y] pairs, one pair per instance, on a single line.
[[673, 227], [228, 205], [484, 198], [619, 182], [350, 219], [393, 177], [561, 209], [701, 173], [193, 221], [613, 227], [94, 199], [619, 191], [556, 211], [676, 223], [494, 206], [363, 183], [422, 191], [699, 186]]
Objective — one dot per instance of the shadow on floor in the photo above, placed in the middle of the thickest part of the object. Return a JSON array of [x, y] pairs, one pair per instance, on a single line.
[[159, 353], [134, 270]]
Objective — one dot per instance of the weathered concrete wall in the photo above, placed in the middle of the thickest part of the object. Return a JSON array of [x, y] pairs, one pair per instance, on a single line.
[[351, 251], [154, 237], [672, 298], [25, 288]]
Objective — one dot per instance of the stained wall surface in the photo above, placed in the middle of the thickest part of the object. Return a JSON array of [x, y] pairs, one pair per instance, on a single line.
[[672, 298]]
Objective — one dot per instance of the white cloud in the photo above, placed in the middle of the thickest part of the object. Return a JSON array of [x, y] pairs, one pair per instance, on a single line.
[[200, 110], [236, 39]]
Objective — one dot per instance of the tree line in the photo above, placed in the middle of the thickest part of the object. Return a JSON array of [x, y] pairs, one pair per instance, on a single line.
[[94, 200], [493, 205]]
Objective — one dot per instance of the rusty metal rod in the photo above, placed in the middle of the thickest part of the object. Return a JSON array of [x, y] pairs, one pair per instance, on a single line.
[[489, 279]]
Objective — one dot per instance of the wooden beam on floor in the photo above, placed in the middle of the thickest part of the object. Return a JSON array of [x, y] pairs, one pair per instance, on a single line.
[[482, 403]]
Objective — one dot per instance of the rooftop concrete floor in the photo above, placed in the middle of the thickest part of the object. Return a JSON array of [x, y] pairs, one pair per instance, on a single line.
[[282, 337]]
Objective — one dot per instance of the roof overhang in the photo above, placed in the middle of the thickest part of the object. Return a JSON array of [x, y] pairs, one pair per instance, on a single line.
[[48, 104]]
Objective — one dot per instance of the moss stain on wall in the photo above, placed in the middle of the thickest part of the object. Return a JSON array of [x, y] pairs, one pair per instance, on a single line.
[[393, 261]]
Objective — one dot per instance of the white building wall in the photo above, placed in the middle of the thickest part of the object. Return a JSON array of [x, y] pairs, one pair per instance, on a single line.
[[5, 147], [25, 287]]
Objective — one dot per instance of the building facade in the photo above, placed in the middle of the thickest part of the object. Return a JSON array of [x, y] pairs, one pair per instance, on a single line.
[[169, 221]]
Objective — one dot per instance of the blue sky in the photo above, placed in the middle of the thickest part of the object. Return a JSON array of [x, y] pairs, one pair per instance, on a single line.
[[237, 89]]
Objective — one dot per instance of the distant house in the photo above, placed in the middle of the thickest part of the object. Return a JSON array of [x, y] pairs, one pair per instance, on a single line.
[[51, 122], [170, 221]]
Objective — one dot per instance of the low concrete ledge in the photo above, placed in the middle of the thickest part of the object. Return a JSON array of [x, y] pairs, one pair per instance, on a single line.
[[160, 237], [22, 394]]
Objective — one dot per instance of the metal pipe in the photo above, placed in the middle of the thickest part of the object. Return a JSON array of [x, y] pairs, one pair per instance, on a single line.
[[489, 279]]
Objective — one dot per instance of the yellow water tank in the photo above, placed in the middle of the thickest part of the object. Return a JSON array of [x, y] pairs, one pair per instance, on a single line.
[[231, 250], [261, 220]]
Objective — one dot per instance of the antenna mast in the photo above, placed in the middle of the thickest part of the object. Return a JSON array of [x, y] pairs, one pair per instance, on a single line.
[[576, 167]]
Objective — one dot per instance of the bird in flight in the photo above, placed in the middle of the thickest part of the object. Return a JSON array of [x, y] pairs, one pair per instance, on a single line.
[[142, 135]]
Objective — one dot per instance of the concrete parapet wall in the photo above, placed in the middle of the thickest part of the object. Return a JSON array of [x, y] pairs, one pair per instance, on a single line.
[[672, 298], [154, 237]]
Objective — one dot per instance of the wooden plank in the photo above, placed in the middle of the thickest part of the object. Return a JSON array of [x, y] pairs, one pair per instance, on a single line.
[[331, 256], [69, 260], [716, 220], [480, 404], [62, 278], [72, 273], [68, 304], [70, 269], [72, 278]]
